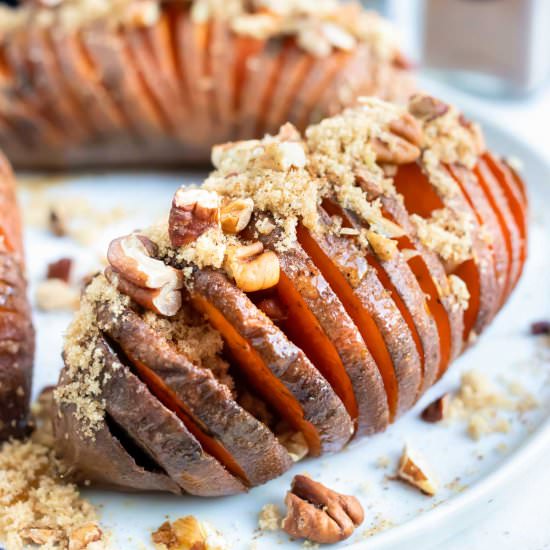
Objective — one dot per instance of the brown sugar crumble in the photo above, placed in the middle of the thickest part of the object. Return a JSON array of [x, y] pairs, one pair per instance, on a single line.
[[37, 505]]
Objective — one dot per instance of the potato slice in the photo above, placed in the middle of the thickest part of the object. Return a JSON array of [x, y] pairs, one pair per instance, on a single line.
[[279, 372], [382, 327], [225, 430], [318, 323], [162, 434], [478, 272]]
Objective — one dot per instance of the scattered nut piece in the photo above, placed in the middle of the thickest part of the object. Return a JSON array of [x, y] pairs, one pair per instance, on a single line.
[[187, 533], [270, 518], [383, 247], [236, 215], [148, 281], [56, 295], [426, 107], [540, 328], [319, 514], [399, 151], [61, 269], [193, 212], [415, 473], [437, 410], [81, 537], [252, 268], [57, 223]]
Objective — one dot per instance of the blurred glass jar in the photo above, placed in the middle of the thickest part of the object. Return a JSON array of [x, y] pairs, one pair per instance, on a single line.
[[488, 46]]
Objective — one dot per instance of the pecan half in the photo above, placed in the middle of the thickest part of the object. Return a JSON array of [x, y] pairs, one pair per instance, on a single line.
[[408, 128], [193, 212], [319, 514], [252, 268], [148, 281]]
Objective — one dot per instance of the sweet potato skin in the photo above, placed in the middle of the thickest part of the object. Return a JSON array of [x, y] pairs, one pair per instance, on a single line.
[[162, 434], [321, 407], [334, 321], [253, 447], [16, 330]]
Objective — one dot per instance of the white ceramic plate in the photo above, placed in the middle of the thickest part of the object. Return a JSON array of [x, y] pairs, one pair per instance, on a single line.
[[472, 474]]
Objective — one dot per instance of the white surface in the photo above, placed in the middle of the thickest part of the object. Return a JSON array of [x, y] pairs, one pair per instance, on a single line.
[[506, 349]]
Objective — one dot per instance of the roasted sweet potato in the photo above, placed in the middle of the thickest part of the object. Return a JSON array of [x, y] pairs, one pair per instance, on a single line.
[[278, 370], [478, 272], [316, 321], [225, 430], [175, 82], [16, 331], [384, 330], [161, 433]]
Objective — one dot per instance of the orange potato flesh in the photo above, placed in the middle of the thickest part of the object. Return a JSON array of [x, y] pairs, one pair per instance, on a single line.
[[420, 198], [498, 202], [486, 218], [334, 209], [170, 400], [513, 193], [258, 375], [364, 322], [302, 327]]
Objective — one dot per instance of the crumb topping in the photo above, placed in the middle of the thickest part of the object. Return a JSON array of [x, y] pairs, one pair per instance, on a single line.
[[36, 505], [270, 518], [84, 361]]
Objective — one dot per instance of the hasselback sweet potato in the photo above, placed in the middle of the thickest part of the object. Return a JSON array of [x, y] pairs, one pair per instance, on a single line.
[[162, 74], [16, 331], [339, 272]]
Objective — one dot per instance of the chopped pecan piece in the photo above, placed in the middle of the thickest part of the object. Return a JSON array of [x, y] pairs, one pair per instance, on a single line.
[[193, 212], [57, 223], [408, 128], [400, 151], [236, 214], [253, 268], [437, 410], [415, 473], [320, 514], [61, 269], [82, 536]]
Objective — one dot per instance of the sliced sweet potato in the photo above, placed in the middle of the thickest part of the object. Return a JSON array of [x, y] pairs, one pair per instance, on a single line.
[[77, 68], [155, 72], [16, 331], [295, 68], [398, 279], [478, 273], [161, 433], [316, 321], [430, 274], [225, 431], [279, 371], [192, 43], [104, 460], [513, 190], [321, 75], [110, 54], [262, 72], [489, 223], [497, 200], [382, 327]]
